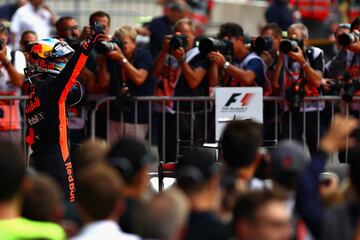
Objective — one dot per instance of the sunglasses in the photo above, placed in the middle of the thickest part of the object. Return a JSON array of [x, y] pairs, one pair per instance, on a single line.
[[344, 25], [72, 28]]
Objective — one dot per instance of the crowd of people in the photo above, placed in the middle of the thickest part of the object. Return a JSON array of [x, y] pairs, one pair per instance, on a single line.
[[243, 194], [237, 191]]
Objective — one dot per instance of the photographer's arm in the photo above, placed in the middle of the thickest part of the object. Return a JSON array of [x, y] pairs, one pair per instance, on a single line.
[[213, 75], [193, 76], [137, 75], [245, 76], [16, 77], [313, 76], [275, 80], [355, 47]]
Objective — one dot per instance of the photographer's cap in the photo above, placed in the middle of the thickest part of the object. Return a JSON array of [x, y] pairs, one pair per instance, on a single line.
[[197, 165], [288, 159], [129, 156]]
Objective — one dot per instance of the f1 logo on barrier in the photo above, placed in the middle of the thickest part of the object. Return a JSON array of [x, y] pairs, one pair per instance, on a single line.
[[243, 102]]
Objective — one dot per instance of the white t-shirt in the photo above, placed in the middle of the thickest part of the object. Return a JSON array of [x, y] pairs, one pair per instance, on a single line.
[[10, 113], [105, 229], [27, 18]]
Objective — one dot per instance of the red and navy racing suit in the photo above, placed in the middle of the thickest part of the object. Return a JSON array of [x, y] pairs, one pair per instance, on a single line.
[[47, 121]]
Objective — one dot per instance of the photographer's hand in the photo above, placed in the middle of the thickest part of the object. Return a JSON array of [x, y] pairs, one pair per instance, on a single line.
[[179, 54], [166, 42], [217, 58], [297, 56], [16, 77], [85, 33], [116, 55], [277, 73], [325, 83], [267, 58]]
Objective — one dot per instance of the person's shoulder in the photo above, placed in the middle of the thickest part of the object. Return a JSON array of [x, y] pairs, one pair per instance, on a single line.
[[253, 59], [316, 51], [141, 52], [23, 9], [48, 229], [40, 230], [159, 19]]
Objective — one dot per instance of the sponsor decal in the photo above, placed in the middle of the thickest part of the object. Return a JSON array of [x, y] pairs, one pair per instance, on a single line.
[[69, 172]]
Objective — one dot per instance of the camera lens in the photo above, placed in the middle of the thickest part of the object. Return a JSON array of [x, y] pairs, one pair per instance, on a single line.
[[346, 39]]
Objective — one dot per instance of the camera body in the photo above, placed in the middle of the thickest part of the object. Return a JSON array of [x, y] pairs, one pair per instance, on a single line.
[[208, 45], [104, 47], [335, 87], [291, 45], [347, 39], [177, 41], [349, 86], [295, 94], [261, 44]]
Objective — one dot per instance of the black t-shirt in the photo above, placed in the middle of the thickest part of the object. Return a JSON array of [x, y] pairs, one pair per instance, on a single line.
[[159, 28], [205, 225], [141, 60], [183, 89]]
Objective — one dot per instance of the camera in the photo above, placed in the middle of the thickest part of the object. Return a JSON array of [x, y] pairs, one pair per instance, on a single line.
[[177, 41], [346, 39], [295, 94], [335, 87], [207, 45], [261, 44], [104, 47], [349, 86], [291, 45], [1, 44]]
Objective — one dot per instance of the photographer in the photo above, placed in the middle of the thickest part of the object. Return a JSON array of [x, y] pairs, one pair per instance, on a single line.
[[273, 32], [127, 71], [67, 29], [11, 80], [182, 71], [351, 74], [246, 69], [335, 68], [27, 39], [304, 67], [96, 86]]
